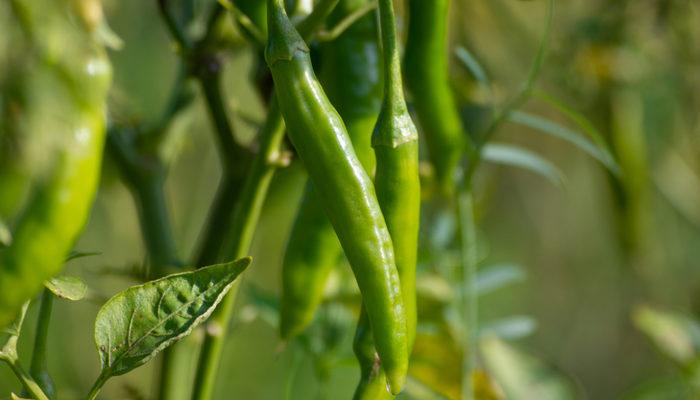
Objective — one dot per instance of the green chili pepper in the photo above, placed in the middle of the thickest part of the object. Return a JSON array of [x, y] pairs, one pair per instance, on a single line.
[[344, 188], [426, 66], [350, 74], [58, 208], [395, 142]]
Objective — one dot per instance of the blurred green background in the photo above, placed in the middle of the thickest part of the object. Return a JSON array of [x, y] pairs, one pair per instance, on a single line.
[[593, 250]]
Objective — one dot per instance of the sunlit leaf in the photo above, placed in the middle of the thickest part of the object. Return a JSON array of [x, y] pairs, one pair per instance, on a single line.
[[442, 229], [108, 37], [676, 335], [552, 128], [510, 328], [419, 391], [518, 157], [67, 287], [495, 277], [679, 184], [433, 287], [582, 122], [522, 376], [5, 235], [136, 324], [472, 65], [437, 364], [485, 388], [10, 334]]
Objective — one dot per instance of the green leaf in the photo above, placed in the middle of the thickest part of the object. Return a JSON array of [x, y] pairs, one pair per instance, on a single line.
[[522, 376], [8, 348], [679, 184], [510, 328], [136, 324], [80, 254], [434, 287], [420, 391], [582, 122], [495, 277], [67, 287], [518, 157], [436, 363], [472, 65], [15, 397], [538, 61], [602, 154], [676, 336], [5, 235]]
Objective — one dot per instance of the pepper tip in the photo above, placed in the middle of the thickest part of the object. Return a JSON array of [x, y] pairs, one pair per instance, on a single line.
[[396, 381]]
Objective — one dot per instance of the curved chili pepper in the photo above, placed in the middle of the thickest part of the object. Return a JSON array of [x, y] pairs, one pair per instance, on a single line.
[[59, 206], [350, 74], [344, 188], [426, 68], [395, 142]]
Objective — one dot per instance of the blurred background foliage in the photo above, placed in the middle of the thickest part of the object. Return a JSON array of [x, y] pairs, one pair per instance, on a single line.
[[588, 289]]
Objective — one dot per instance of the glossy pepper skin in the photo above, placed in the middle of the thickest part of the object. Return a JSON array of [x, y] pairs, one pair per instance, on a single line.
[[351, 77], [395, 142], [426, 68], [59, 205], [344, 188]]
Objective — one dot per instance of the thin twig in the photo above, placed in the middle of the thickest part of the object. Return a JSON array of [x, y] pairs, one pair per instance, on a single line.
[[38, 367], [515, 102], [245, 23], [346, 22], [175, 31], [312, 22], [470, 309], [27, 381], [465, 201], [244, 224]]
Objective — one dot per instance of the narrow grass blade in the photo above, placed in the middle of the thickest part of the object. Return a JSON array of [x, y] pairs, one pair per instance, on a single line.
[[518, 157]]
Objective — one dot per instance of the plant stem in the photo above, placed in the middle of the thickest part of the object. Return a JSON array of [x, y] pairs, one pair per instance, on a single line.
[[29, 384], [233, 211], [465, 204], [393, 89], [155, 223], [243, 226], [310, 24], [292, 373], [96, 387], [145, 175], [174, 28], [516, 101], [470, 305], [220, 216], [231, 154], [206, 67], [38, 367], [230, 151], [346, 22]]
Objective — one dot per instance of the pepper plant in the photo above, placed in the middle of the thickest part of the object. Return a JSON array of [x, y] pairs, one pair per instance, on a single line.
[[361, 104]]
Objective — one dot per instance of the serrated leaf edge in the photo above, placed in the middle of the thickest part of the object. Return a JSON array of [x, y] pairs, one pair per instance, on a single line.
[[108, 370]]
